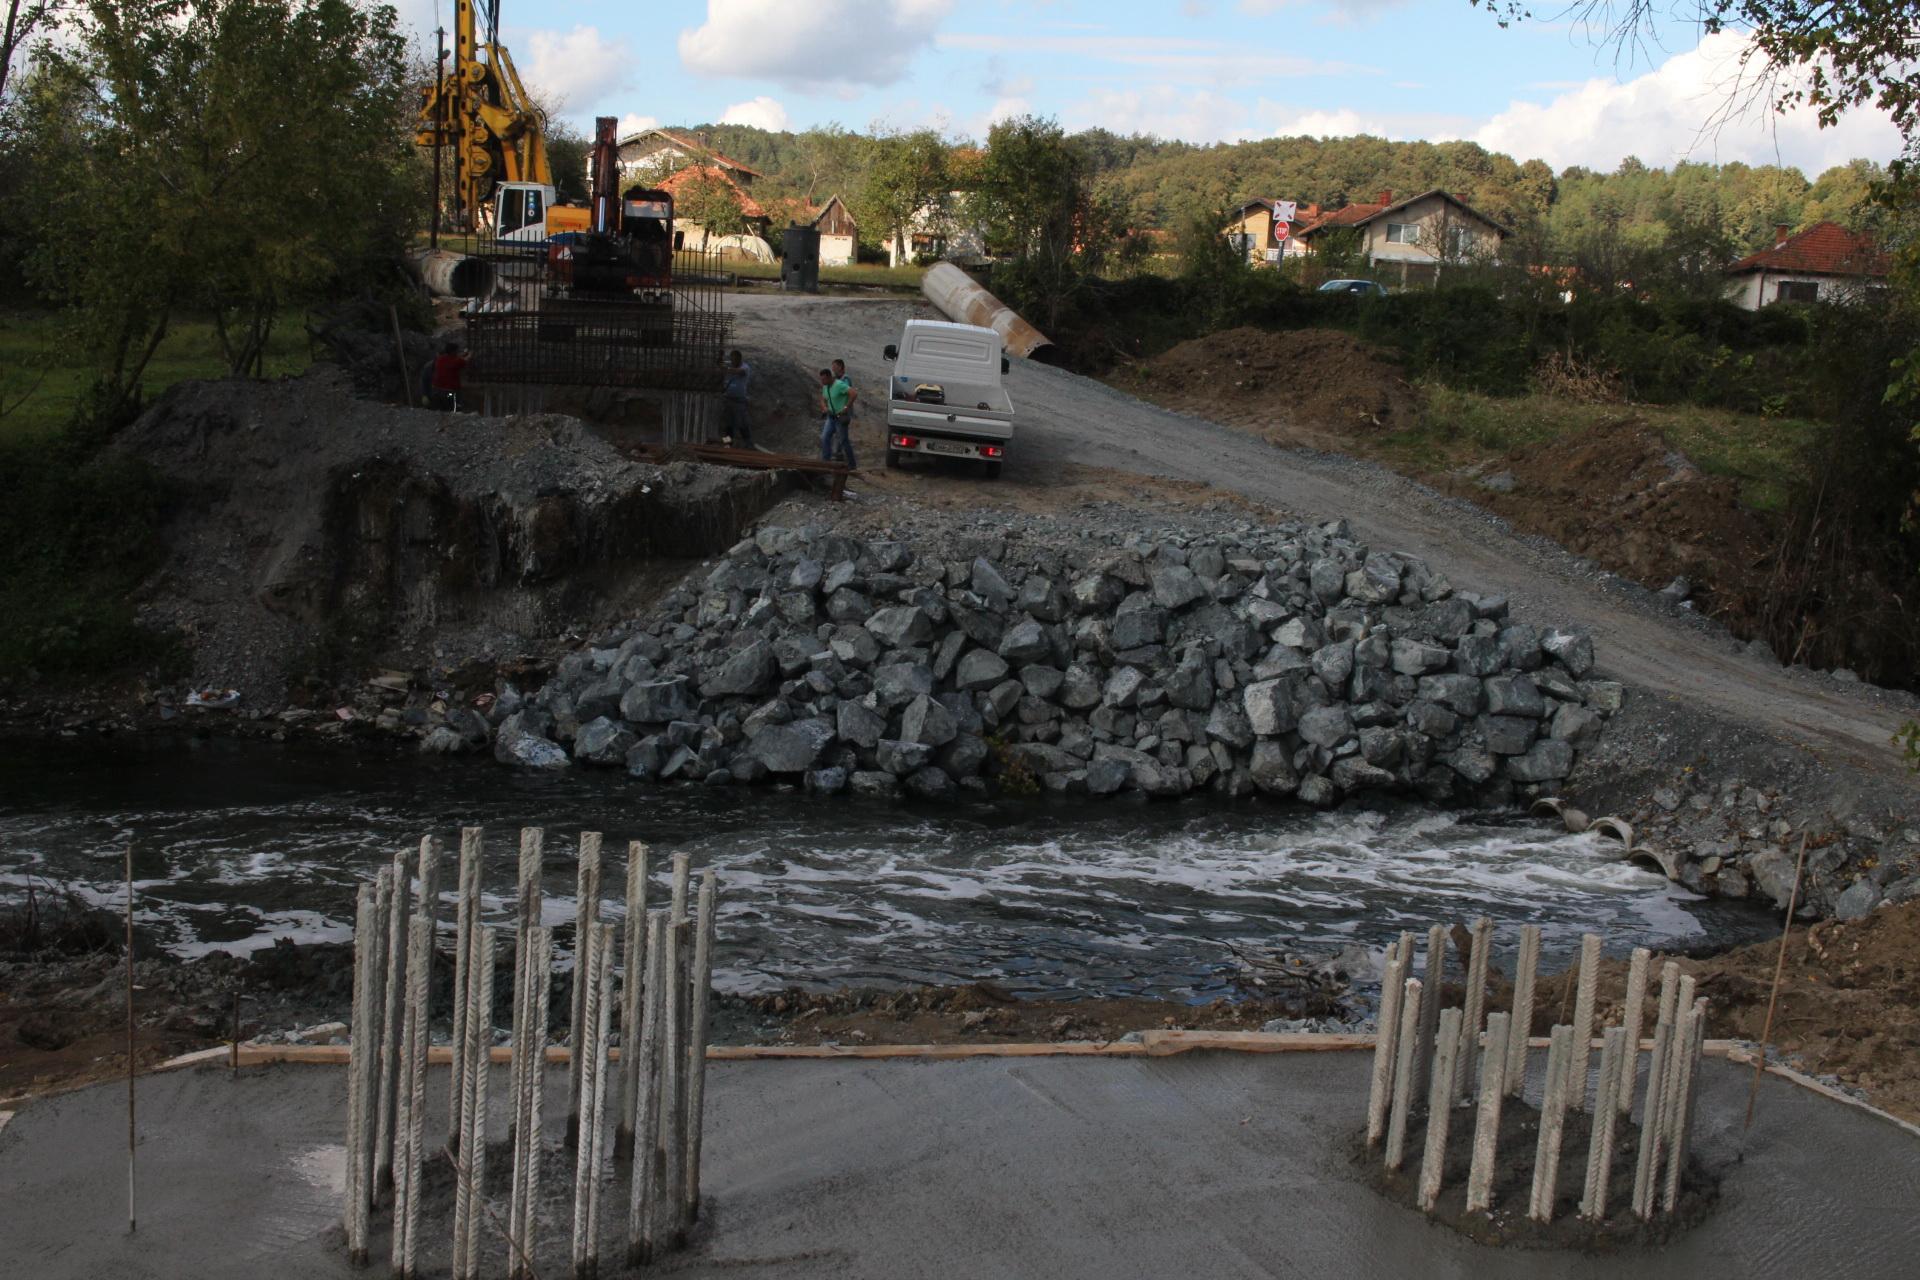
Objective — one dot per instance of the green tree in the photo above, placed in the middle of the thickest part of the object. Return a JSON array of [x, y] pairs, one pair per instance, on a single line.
[[171, 175], [710, 200], [905, 177], [567, 152]]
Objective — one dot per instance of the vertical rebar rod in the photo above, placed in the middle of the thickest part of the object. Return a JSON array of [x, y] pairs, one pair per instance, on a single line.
[[466, 899], [1583, 1003], [646, 1120], [1553, 1119], [1773, 997], [1486, 1126], [359, 1061], [393, 998], [673, 1088], [410, 1125], [375, 1028], [1408, 1055], [1680, 1129], [526, 1221], [596, 1109], [1433, 978], [702, 998], [1475, 1010], [1385, 1046], [473, 1148], [1630, 1020], [633, 979], [591, 951], [1433, 1157], [1671, 1084], [527, 905], [1650, 1111], [1606, 1118], [586, 914], [1525, 972], [132, 1129]]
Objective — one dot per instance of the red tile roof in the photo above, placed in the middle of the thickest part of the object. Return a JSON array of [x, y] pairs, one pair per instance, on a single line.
[[681, 177], [1355, 215], [1823, 249]]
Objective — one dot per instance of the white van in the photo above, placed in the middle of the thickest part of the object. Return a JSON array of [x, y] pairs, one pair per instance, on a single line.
[[945, 398]]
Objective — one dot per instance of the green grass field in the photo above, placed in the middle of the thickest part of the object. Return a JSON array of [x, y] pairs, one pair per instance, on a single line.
[[44, 366], [1459, 427]]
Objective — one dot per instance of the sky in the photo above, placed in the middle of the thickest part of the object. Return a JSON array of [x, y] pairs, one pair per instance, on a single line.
[[1199, 70]]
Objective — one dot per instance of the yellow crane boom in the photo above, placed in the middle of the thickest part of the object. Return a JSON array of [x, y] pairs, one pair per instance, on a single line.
[[479, 110]]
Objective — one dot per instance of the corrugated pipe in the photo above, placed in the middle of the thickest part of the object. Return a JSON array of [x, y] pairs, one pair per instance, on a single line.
[[452, 275], [959, 297]]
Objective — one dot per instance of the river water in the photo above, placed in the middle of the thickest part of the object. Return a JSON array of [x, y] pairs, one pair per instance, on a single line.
[[239, 844]]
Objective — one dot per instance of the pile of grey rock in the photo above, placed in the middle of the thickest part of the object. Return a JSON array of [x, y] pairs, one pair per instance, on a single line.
[[1289, 660]]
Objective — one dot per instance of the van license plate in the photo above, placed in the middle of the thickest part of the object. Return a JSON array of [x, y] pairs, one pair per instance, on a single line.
[[947, 446]]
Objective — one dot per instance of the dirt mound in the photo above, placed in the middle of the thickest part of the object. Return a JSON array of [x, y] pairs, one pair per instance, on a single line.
[[1622, 496], [1288, 386], [1849, 1000], [318, 532]]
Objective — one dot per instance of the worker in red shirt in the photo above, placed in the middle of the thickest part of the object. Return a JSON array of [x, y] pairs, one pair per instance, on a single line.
[[447, 369]]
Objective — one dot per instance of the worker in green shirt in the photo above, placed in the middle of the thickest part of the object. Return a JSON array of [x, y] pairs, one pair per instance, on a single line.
[[836, 404]]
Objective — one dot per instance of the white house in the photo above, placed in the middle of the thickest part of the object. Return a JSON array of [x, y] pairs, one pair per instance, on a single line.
[[1824, 263], [1410, 237], [935, 233]]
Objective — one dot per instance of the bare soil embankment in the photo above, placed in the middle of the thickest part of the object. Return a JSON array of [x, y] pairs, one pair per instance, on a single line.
[[316, 532]]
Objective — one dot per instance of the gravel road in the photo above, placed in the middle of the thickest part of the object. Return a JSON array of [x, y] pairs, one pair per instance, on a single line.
[[1700, 695]]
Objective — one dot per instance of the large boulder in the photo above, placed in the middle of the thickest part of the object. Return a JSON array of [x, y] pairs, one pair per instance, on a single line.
[[749, 671], [659, 702], [791, 748], [603, 742]]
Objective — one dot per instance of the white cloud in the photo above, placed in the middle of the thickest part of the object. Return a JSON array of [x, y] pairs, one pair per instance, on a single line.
[[761, 113], [632, 123], [824, 44], [1680, 111], [579, 67], [1186, 61]]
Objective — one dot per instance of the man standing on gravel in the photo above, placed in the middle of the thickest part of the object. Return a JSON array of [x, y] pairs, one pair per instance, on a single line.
[[836, 403], [739, 375]]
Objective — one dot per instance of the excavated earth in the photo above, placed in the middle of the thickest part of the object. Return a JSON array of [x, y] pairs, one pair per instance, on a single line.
[[317, 527]]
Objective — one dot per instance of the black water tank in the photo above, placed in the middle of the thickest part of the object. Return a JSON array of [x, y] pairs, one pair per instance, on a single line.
[[800, 263]]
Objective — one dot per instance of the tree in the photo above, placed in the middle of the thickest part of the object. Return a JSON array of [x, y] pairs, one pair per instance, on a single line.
[[905, 178], [25, 19], [170, 173], [567, 151], [708, 199]]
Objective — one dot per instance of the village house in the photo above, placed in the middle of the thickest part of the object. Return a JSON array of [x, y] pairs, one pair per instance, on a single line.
[[1824, 263], [651, 153], [838, 232], [936, 233], [1251, 229], [689, 234], [1400, 242]]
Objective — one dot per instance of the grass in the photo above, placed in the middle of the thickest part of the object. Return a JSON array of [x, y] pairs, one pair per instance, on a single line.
[[1762, 454], [44, 369], [864, 273]]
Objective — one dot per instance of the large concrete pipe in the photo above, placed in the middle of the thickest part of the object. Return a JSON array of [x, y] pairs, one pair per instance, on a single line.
[[452, 275], [960, 298]]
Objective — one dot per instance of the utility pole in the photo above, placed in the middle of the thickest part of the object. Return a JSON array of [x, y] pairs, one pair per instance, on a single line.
[[439, 132]]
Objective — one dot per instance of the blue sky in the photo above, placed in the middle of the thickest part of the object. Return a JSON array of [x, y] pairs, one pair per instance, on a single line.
[[1204, 70]]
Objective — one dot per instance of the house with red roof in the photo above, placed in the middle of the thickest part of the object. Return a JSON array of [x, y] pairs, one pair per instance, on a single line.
[[689, 234], [1404, 242], [1399, 241], [1824, 263]]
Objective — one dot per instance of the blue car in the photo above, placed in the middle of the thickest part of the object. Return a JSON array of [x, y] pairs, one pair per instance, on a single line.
[[1364, 288]]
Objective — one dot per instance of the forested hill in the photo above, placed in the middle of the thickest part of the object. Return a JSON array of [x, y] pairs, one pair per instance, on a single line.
[[1166, 183]]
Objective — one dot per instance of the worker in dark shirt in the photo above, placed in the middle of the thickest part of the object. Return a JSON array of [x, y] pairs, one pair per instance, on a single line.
[[739, 378], [448, 367]]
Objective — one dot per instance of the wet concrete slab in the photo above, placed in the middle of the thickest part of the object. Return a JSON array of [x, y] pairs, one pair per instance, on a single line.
[[1207, 1164]]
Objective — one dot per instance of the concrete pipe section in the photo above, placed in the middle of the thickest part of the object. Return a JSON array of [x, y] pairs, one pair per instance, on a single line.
[[452, 275], [1219, 1164], [959, 297]]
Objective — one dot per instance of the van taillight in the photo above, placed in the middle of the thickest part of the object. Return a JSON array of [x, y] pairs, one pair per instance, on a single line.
[[991, 451], [906, 442]]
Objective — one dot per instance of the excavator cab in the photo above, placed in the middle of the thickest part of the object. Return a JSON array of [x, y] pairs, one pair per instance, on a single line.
[[520, 211]]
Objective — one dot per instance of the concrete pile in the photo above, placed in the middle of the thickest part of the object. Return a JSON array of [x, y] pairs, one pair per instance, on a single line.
[[1289, 660]]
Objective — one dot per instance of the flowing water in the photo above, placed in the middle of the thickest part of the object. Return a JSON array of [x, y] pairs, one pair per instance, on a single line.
[[237, 845]]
